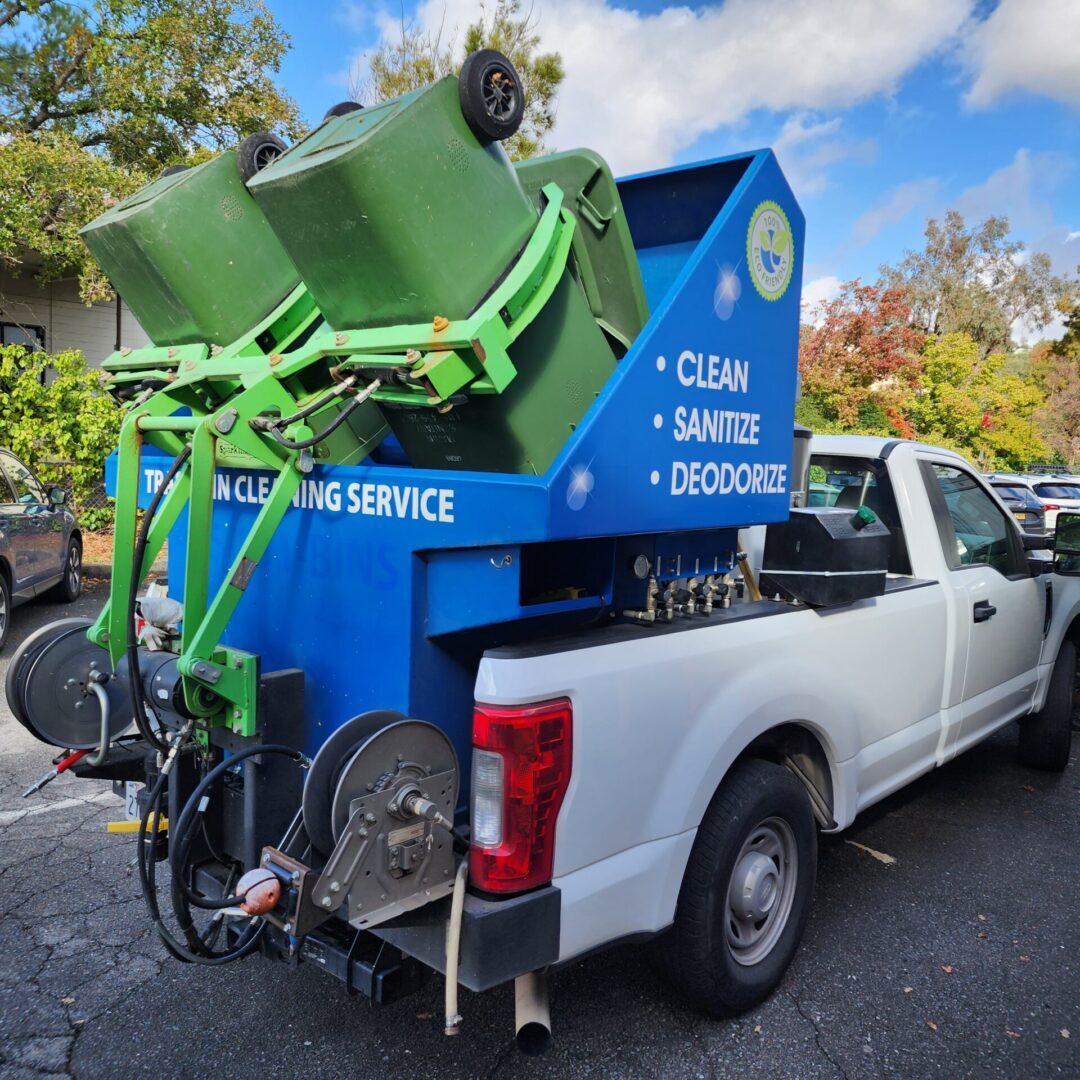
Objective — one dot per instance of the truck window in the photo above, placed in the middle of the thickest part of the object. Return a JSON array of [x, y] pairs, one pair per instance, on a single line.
[[852, 482], [973, 530]]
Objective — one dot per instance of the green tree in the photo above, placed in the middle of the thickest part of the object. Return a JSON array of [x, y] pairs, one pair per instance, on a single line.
[[143, 80], [55, 414], [49, 188], [969, 402], [1058, 366], [417, 57], [96, 96], [975, 281]]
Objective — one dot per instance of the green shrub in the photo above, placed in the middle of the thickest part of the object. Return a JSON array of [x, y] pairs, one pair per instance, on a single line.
[[57, 417]]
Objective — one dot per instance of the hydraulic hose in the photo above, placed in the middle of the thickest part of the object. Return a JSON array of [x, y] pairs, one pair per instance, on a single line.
[[180, 845], [138, 698], [264, 423], [198, 952], [353, 404]]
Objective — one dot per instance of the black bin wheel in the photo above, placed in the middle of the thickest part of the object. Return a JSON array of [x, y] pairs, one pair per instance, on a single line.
[[342, 108], [492, 97], [256, 152]]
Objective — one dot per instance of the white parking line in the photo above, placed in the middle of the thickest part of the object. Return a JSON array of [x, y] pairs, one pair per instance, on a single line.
[[8, 816]]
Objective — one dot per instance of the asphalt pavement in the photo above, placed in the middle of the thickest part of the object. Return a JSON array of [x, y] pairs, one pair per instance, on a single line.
[[943, 943]]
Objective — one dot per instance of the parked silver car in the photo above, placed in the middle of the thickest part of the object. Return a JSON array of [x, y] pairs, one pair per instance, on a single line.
[[1023, 504], [1055, 493], [40, 542]]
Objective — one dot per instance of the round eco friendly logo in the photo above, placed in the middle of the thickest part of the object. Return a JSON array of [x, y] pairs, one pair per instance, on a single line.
[[769, 250]]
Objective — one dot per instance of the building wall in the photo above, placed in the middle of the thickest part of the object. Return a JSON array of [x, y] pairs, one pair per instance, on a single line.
[[68, 323]]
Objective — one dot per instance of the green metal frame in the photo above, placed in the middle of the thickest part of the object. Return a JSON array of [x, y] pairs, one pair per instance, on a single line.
[[195, 395]]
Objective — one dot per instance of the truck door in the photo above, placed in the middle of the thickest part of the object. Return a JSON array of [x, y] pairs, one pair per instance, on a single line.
[[994, 592]]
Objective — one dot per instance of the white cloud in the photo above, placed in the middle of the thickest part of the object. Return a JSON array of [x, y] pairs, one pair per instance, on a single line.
[[640, 88], [1031, 45], [806, 148], [819, 290], [1019, 191], [901, 201]]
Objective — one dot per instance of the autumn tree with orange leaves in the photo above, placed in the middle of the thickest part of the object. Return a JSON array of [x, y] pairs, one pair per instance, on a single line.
[[859, 362]]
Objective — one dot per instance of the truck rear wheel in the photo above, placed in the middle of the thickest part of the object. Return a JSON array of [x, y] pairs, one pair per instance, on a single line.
[[747, 891], [1046, 736]]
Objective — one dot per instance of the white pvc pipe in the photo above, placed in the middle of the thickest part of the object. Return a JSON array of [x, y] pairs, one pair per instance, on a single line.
[[532, 1016], [453, 948]]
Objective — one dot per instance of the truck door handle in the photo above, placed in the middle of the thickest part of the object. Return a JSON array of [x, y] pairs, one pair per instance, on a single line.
[[984, 610]]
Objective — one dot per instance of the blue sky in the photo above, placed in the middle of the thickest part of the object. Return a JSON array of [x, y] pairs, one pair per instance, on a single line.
[[883, 112]]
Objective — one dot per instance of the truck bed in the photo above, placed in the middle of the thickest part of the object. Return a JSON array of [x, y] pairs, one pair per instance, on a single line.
[[661, 712]]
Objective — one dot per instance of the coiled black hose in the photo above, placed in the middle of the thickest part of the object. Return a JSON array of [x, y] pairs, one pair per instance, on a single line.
[[196, 951], [138, 699], [181, 834]]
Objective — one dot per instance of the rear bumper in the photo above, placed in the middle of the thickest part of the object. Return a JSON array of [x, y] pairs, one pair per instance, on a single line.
[[500, 939]]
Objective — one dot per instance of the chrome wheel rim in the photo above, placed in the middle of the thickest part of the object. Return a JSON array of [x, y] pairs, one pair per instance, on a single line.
[[761, 891], [74, 568], [3, 612]]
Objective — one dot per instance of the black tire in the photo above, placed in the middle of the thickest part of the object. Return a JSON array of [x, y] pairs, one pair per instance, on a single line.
[[256, 152], [702, 954], [69, 588], [172, 170], [1046, 736], [5, 608], [492, 96], [342, 108]]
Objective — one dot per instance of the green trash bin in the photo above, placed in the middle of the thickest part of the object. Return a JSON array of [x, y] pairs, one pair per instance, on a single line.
[[607, 265], [193, 256], [397, 213], [562, 360]]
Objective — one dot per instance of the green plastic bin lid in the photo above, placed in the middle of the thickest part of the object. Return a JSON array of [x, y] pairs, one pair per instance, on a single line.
[[603, 248]]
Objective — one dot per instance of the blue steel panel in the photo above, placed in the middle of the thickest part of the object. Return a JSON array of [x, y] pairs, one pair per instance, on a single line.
[[714, 346]]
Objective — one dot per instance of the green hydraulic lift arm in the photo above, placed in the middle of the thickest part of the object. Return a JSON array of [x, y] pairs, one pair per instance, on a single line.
[[198, 394]]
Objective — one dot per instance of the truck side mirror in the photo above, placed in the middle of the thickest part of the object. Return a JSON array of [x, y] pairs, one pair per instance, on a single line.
[[1067, 544], [57, 496]]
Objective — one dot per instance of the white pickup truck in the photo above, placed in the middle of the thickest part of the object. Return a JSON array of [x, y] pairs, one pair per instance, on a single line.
[[706, 754]]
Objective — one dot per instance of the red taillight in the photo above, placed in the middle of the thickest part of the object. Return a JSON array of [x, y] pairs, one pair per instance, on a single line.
[[1051, 506], [521, 769]]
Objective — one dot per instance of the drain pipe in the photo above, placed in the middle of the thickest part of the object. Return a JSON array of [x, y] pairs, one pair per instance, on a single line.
[[453, 948], [532, 1016]]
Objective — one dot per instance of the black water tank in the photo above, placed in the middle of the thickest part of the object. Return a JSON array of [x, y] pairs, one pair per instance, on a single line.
[[826, 555]]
